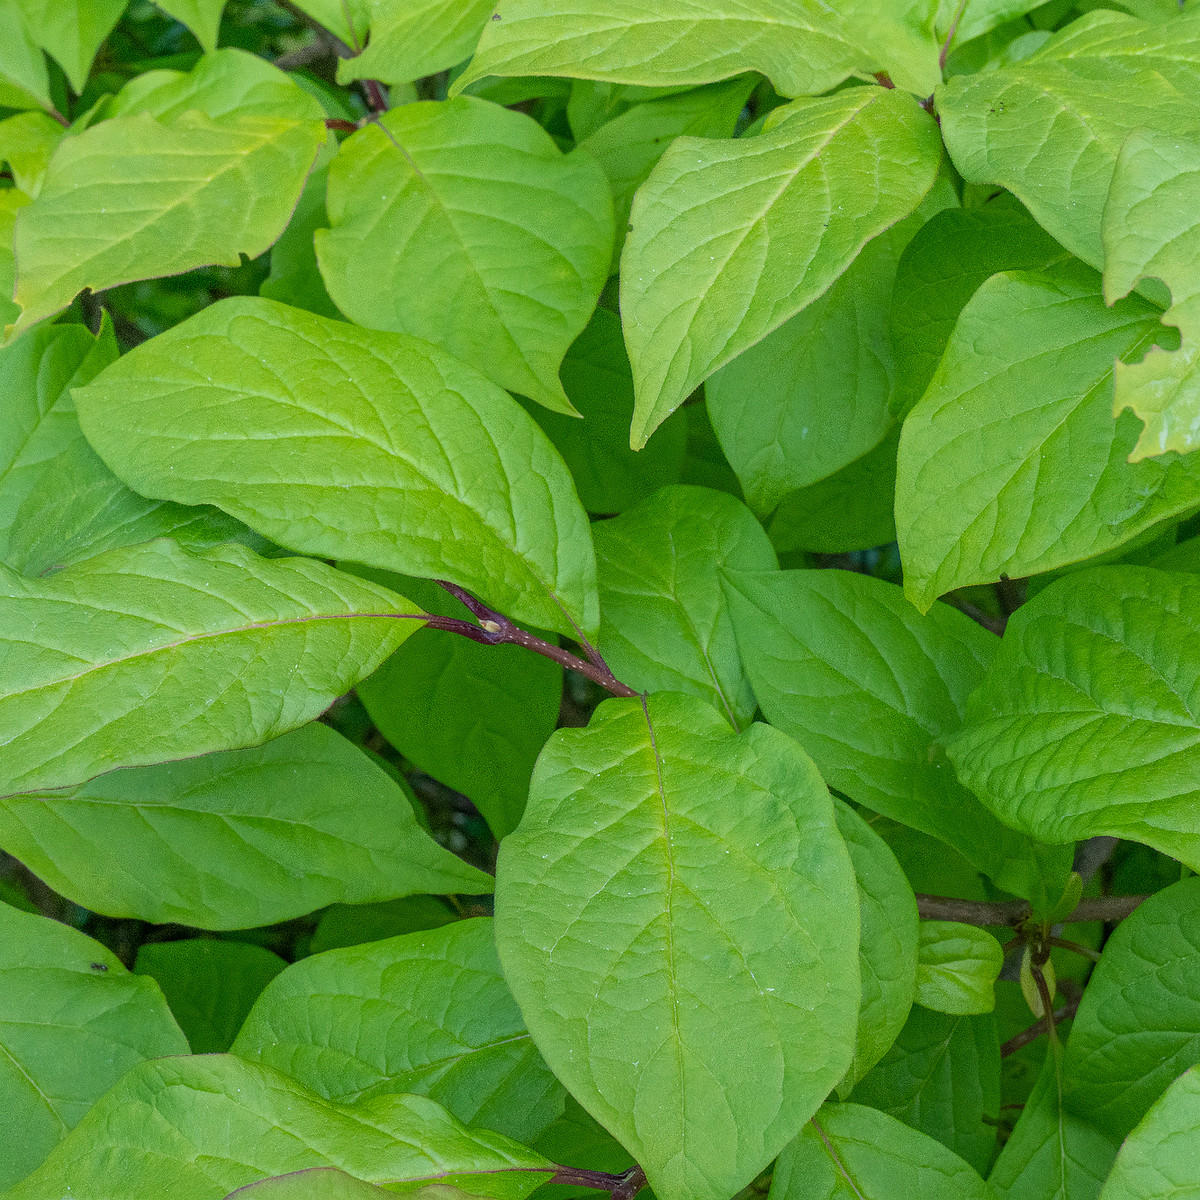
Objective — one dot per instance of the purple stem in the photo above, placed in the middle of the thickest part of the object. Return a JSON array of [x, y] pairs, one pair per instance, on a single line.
[[620, 1187]]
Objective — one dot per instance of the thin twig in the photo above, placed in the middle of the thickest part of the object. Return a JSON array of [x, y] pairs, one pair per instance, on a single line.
[[375, 97], [1039, 1027], [1075, 948], [1013, 912], [950, 35], [338, 123]]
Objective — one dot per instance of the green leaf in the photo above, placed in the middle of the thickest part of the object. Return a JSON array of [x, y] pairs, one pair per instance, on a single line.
[[202, 17], [665, 623], [705, 273], [72, 1022], [346, 19], [1159, 1157], [848, 1151], [1050, 126], [977, 17], [1028, 377], [580, 1140], [887, 946], [1151, 232], [153, 653], [802, 46], [71, 31], [957, 966], [524, 284], [325, 1183], [295, 278], [210, 985], [377, 428], [1087, 722], [871, 689], [1138, 1025], [474, 717], [353, 924], [24, 80], [11, 200], [197, 1128], [609, 476], [410, 40], [427, 1013], [812, 397], [133, 198], [943, 266], [671, 868], [234, 839], [942, 1076], [27, 142]]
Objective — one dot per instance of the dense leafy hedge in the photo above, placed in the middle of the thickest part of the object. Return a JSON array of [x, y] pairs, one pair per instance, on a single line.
[[740, 458]]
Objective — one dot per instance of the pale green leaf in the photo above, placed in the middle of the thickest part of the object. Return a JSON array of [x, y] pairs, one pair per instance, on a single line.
[[942, 1076], [133, 198], [234, 839], [71, 31], [210, 985], [848, 1152], [708, 270], [977, 17], [347, 19], [1152, 231], [11, 199], [414, 38], [887, 946], [378, 427], [323, 1183], [813, 396], [1050, 126], [427, 1013], [202, 17], [24, 80], [871, 689], [1024, 395], [196, 1128], [153, 653], [664, 619], [466, 199], [957, 967], [1089, 721], [1138, 1026], [27, 142], [72, 1022], [671, 868]]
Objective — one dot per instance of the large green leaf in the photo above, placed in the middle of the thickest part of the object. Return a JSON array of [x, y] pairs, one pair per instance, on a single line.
[[871, 689], [731, 238], [1138, 1026], [202, 17], [134, 198], [353, 924], [942, 1076], [347, 19], [196, 1128], [802, 46], [474, 717], [813, 396], [378, 428], [11, 201], [957, 966], [153, 653], [294, 277], [665, 622], [234, 839], [1024, 395], [1152, 231], [24, 80], [1089, 720], [466, 200], [1159, 1156], [848, 1152], [72, 1022], [678, 919], [71, 31], [427, 1013], [324, 1183], [1050, 126], [414, 38], [27, 143]]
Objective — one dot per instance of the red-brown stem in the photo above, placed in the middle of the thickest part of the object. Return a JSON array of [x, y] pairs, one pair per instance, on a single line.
[[1035, 1031], [1013, 912], [620, 1187]]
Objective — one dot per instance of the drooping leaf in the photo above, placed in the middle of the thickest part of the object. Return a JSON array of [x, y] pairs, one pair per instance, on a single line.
[[1087, 722], [517, 233], [411, 40], [848, 1151], [71, 31], [1049, 127], [474, 717], [234, 839], [72, 1022], [942, 1076], [664, 619], [377, 427], [871, 689], [887, 946], [134, 198], [346, 19], [957, 966], [427, 1013], [24, 80], [196, 1128], [210, 985], [27, 143], [202, 17], [707, 273], [153, 653], [671, 868], [1138, 1026], [1024, 394]]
